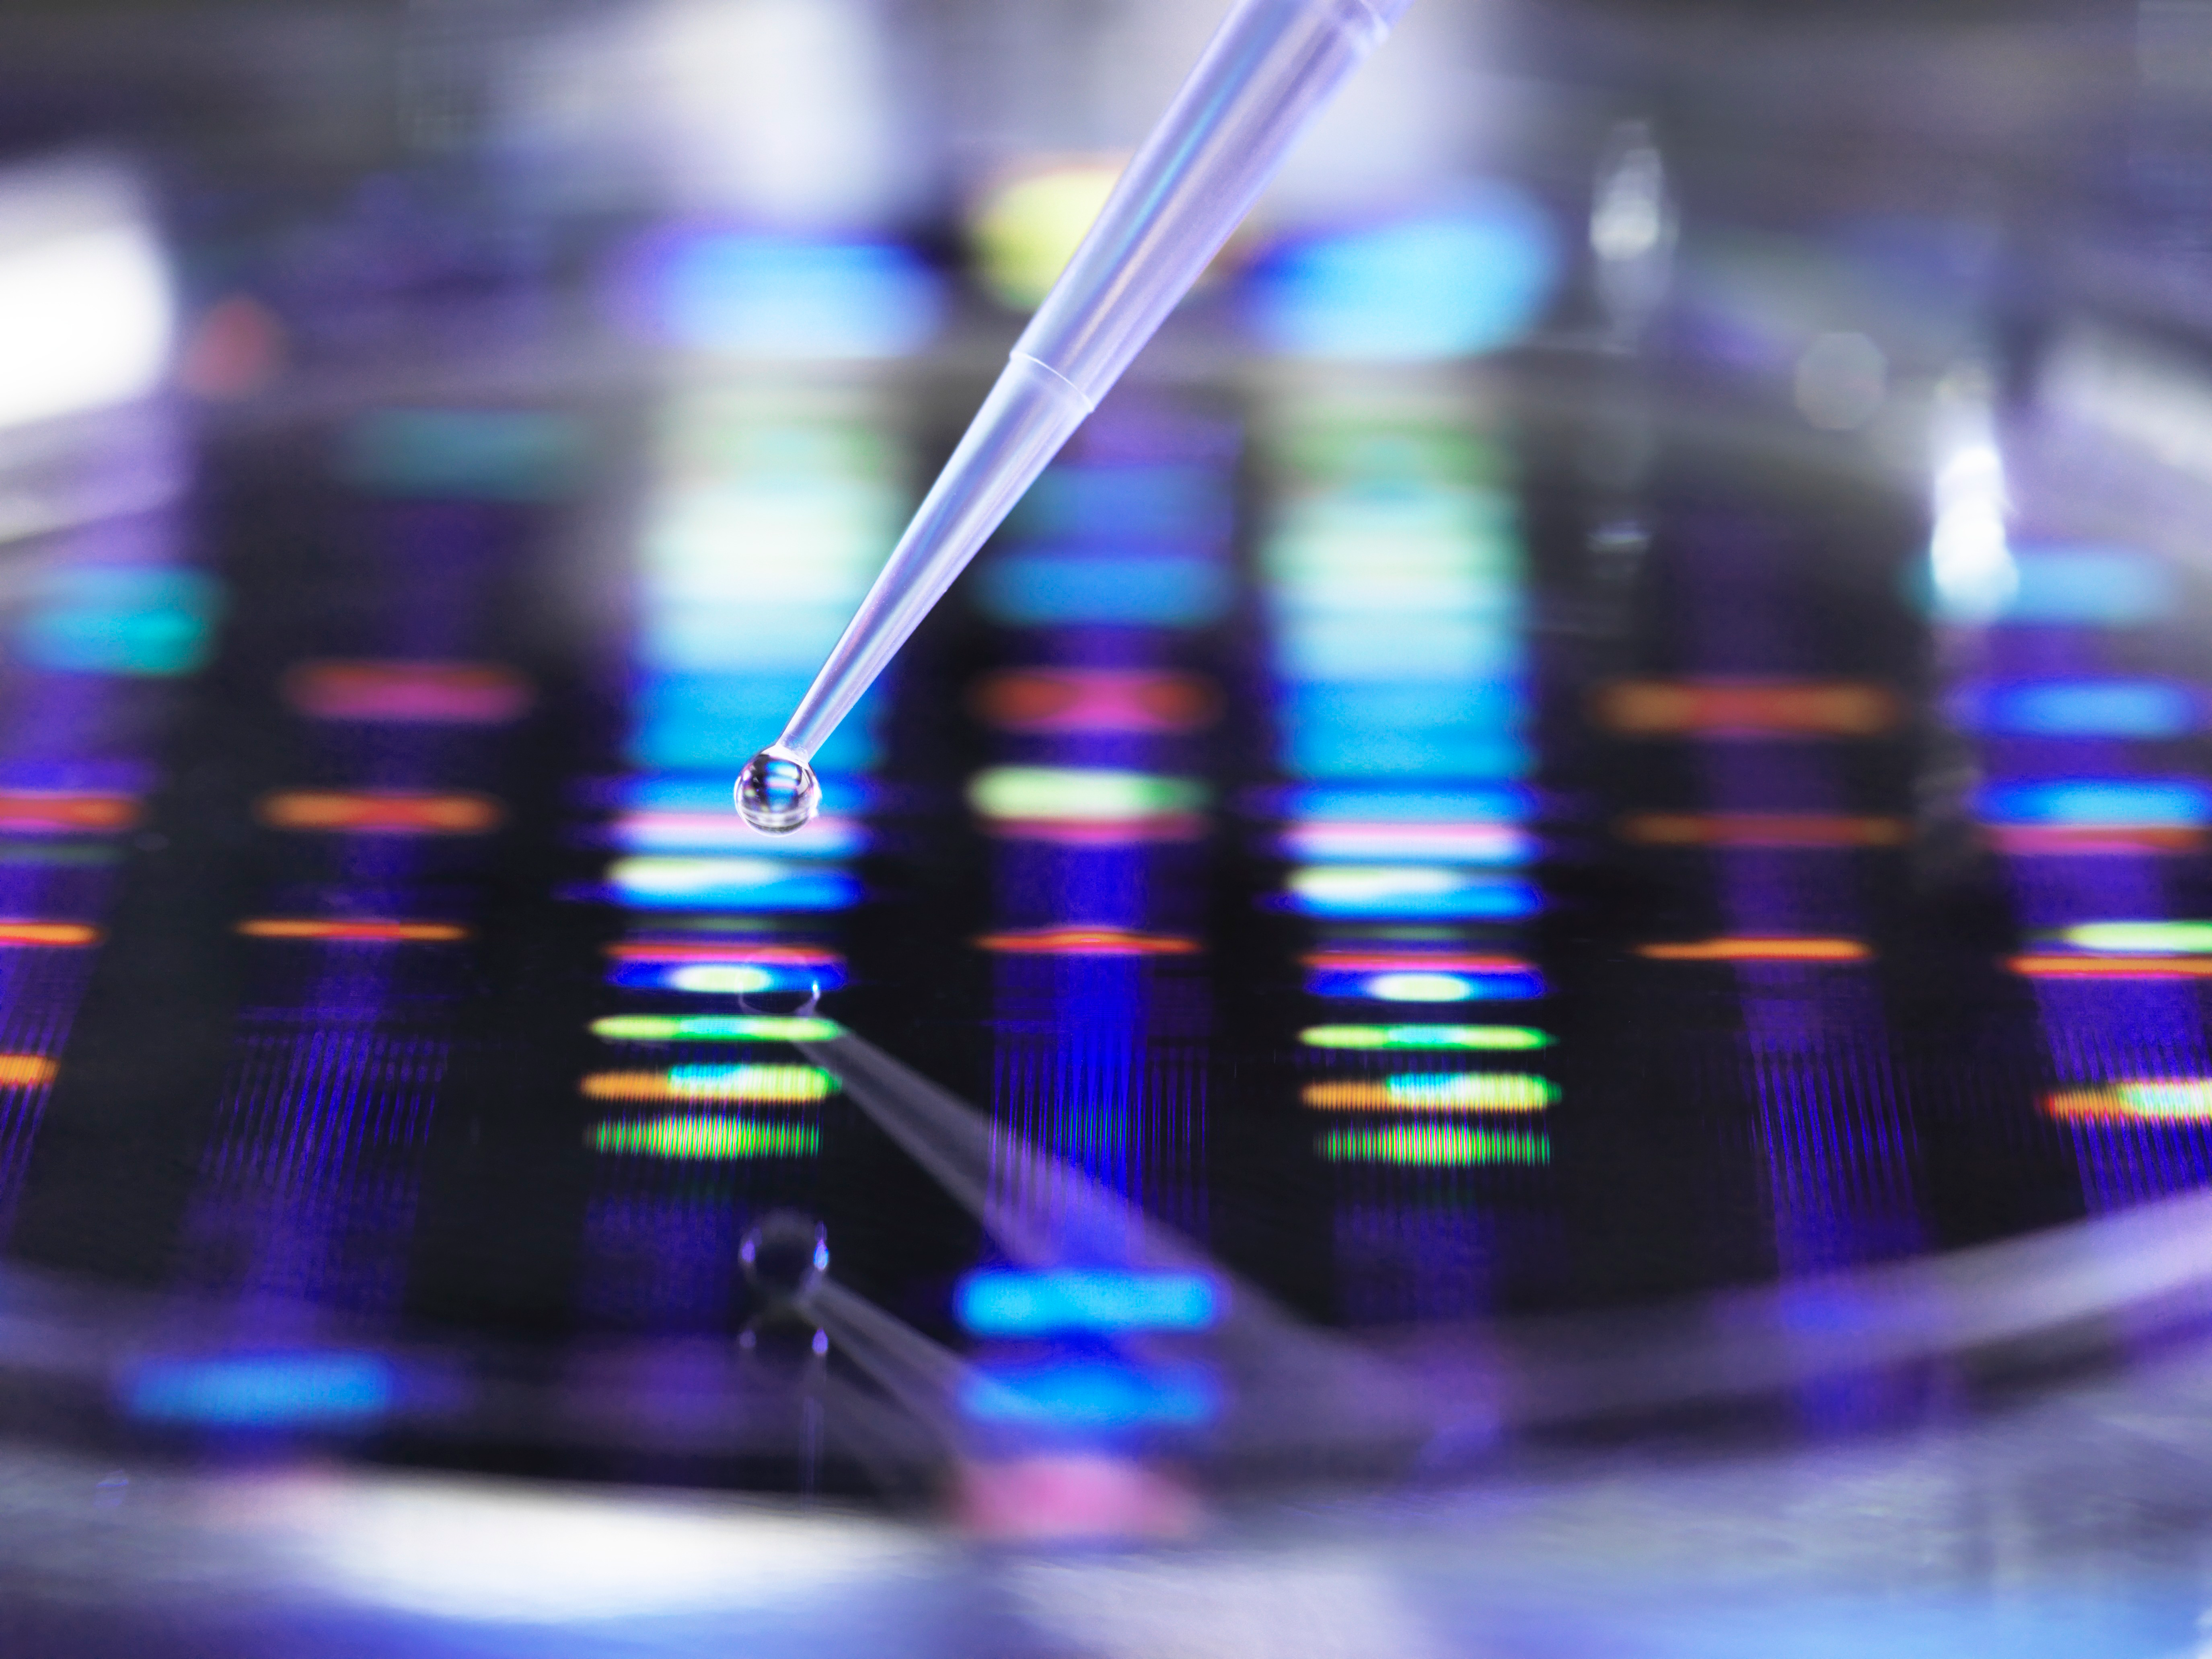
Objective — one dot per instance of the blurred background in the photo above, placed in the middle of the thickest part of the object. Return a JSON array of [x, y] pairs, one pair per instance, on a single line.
[[332, 165], [1520, 975]]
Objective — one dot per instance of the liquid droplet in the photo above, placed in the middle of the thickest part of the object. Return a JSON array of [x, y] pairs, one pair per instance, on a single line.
[[785, 1256], [777, 791]]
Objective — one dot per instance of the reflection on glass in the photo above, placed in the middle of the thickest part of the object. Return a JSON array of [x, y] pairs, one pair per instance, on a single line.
[[85, 314]]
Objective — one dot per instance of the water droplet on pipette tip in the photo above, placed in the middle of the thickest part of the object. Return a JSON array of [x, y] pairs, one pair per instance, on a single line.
[[777, 791]]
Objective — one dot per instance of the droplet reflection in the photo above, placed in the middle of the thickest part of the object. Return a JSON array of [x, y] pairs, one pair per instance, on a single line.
[[778, 792]]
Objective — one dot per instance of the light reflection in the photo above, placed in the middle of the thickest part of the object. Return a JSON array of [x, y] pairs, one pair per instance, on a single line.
[[86, 315], [979, 1161], [524, 1553], [1970, 566], [1631, 229], [2137, 388]]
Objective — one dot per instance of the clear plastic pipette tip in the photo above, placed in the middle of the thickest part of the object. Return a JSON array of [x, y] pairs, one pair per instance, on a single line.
[[778, 792], [1269, 68]]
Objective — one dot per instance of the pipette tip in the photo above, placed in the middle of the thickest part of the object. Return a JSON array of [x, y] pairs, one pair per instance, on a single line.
[[777, 793]]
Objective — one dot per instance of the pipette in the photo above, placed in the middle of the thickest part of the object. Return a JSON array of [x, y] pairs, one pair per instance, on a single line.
[[1268, 69]]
